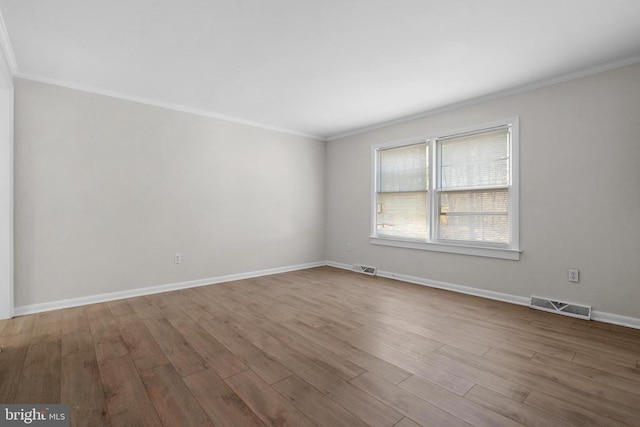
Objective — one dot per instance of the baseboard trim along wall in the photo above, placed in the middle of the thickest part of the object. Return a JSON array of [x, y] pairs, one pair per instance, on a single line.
[[601, 316], [615, 319], [113, 296]]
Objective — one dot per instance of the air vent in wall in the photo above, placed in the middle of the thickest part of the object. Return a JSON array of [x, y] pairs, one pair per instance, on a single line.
[[559, 307], [364, 269]]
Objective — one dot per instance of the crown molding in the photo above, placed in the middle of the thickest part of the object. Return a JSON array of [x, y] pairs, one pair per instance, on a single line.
[[631, 60], [8, 64], [167, 105], [7, 47]]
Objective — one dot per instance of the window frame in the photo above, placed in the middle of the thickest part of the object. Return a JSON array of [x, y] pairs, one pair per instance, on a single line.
[[509, 251]]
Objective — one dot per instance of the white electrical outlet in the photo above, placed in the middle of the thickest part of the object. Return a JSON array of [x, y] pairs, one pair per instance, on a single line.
[[177, 258], [349, 247], [573, 275]]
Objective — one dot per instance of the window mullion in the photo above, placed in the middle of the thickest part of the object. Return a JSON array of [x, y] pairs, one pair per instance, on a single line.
[[433, 185]]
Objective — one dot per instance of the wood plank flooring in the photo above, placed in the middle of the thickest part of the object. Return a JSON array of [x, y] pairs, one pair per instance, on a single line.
[[321, 347]]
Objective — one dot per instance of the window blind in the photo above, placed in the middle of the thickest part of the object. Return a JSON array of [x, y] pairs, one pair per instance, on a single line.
[[404, 169], [402, 201], [478, 160], [473, 195]]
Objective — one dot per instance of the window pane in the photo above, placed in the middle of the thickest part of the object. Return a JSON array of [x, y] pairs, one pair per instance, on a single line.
[[475, 160], [403, 215], [479, 201], [475, 216], [404, 169], [475, 228]]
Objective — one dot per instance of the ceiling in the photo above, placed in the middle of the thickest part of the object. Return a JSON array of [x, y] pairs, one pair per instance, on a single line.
[[323, 68]]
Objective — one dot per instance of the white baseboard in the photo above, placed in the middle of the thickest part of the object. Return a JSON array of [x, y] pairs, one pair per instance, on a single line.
[[616, 319], [443, 285], [600, 316], [112, 296], [339, 265], [498, 296]]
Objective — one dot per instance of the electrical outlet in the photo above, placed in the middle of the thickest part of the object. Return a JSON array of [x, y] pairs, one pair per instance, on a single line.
[[348, 247], [573, 275], [177, 258]]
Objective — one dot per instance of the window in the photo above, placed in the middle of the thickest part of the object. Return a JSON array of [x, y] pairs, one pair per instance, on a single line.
[[456, 192]]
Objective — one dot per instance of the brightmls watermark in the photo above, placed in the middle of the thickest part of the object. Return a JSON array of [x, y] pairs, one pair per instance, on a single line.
[[34, 415]]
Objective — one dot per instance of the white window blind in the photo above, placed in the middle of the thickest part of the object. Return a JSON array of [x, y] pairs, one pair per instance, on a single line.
[[456, 191], [402, 203], [473, 195]]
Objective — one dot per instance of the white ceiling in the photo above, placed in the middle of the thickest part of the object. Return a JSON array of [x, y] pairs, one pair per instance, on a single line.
[[316, 67]]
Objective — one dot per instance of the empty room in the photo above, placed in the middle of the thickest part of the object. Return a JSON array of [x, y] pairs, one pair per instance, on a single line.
[[332, 213]]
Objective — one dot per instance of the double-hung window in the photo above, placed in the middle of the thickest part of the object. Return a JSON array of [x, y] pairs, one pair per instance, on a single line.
[[456, 192]]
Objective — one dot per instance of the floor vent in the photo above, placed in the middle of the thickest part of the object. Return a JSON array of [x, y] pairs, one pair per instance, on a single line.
[[364, 269], [559, 307]]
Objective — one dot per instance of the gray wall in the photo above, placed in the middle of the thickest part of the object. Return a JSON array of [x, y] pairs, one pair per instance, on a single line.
[[579, 195], [107, 190], [6, 198]]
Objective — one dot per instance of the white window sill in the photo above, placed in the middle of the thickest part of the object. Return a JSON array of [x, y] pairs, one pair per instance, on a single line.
[[502, 253]]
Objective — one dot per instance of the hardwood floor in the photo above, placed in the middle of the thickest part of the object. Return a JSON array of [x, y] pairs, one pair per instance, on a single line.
[[321, 347]]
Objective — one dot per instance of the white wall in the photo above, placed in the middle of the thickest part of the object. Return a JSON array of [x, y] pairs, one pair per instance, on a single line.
[[579, 195], [107, 190], [6, 201]]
